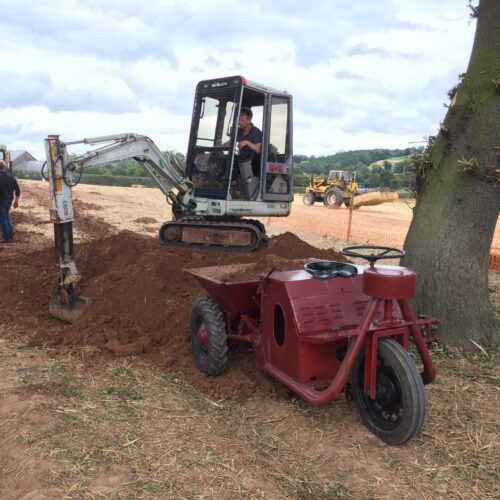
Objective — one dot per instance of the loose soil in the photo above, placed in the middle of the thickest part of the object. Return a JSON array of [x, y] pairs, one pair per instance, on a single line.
[[141, 297]]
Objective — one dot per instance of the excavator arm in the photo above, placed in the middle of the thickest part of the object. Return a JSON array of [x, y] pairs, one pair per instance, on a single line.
[[64, 172], [63, 169]]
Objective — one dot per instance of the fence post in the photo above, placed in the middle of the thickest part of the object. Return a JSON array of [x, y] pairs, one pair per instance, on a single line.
[[351, 202]]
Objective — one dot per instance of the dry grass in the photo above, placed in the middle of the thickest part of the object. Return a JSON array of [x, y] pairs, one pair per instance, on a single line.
[[125, 430], [162, 437]]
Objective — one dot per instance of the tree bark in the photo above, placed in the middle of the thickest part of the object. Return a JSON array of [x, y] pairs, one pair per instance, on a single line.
[[458, 199]]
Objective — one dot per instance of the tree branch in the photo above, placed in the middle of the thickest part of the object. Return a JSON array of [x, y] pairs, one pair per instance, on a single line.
[[489, 173], [474, 10]]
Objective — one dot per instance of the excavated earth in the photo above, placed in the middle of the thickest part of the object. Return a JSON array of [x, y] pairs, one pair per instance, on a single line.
[[141, 295]]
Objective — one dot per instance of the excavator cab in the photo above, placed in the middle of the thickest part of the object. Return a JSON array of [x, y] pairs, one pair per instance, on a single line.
[[214, 165]]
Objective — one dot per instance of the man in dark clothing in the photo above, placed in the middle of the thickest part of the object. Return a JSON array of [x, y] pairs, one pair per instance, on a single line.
[[247, 166], [249, 137], [8, 186], [249, 142]]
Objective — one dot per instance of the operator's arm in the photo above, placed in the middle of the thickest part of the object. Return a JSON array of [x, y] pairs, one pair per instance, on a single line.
[[17, 192], [254, 147], [253, 141]]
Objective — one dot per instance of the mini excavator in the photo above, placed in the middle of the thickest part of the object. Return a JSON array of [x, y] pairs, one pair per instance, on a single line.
[[213, 196]]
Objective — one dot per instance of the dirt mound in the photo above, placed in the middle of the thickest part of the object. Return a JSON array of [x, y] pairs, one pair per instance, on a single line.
[[81, 205], [146, 220], [141, 300], [94, 228]]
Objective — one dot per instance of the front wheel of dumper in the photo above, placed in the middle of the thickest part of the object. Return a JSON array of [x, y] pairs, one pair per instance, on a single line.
[[398, 412], [208, 336]]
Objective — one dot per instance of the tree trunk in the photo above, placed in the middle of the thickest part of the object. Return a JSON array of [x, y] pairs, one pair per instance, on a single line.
[[458, 199]]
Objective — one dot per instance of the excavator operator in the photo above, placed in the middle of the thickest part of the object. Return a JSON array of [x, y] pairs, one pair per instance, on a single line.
[[249, 137], [249, 144]]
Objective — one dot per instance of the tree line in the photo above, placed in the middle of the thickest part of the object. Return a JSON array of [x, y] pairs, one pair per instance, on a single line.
[[375, 168], [385, 168]]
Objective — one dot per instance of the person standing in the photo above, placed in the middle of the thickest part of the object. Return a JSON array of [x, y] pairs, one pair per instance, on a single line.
[[8, 188]]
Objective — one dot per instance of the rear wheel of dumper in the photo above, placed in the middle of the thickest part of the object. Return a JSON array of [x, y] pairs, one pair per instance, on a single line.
[[208, 336], [398, 412], [308, 199]]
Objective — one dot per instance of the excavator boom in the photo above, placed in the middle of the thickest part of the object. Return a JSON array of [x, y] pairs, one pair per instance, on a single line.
[[65, 172]]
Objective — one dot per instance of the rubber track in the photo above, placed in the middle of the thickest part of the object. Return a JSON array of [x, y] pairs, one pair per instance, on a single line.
[[257, 236]]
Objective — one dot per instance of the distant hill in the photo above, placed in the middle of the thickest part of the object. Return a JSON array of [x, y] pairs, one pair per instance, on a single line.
[[346, 159], [374, 167], [393, 161]]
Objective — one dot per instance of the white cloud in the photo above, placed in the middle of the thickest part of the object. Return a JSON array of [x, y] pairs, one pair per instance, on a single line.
[[363, 74]]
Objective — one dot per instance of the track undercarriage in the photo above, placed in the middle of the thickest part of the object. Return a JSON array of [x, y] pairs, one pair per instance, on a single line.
[[235, 235]]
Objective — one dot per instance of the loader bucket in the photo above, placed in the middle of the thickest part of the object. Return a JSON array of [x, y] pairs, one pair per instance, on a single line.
[[69, 311]]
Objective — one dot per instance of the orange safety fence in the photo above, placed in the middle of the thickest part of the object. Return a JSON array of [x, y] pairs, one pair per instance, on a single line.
[[385, 224]]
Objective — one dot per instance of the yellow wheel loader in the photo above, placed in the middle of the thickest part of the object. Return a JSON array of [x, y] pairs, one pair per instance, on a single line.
[[339, 187]]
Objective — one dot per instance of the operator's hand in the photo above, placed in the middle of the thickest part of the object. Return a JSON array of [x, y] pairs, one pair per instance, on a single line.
[[16, 203]]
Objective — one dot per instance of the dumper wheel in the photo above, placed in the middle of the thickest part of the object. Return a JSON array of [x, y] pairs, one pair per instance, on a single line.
[[398, 412], [208, 336], [308, 199], [333, 198]]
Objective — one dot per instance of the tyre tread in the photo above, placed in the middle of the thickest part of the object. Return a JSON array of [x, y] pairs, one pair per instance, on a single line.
[[215, 360], [414, 412]]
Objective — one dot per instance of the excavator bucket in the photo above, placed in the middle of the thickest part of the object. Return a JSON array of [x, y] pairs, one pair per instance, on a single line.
[[70, 310]]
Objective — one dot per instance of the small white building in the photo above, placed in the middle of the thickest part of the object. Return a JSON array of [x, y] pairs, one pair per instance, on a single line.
[[23, 161]]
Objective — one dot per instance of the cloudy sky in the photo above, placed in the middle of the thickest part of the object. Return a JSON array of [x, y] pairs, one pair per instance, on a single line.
[[363, 74]]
